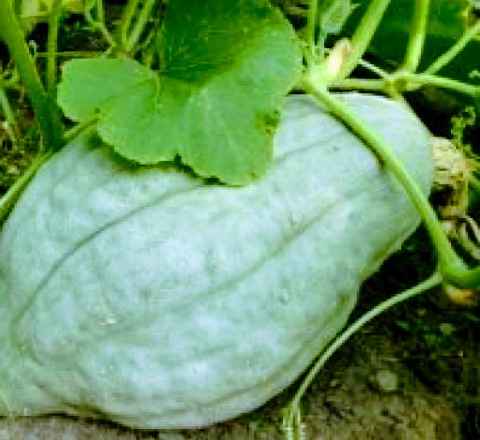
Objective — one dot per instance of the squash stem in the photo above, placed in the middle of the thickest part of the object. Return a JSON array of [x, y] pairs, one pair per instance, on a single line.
[[431, 282], [451, 265]]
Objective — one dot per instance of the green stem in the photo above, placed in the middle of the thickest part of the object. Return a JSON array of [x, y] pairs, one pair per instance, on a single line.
[[140, 25], [374, 69], [423, 79], [474, 183], [9, 85], [474, 228], [102, 26], [424, 286], [451, 265], [45, 108], [402, 81], [11, 122], [100, 12], [310, 31], [375, 85], [464, 240], [450, 54], [72, 54], [126, 21], [99, 22], [53, 22], [418, 35], [13, 80], [11, 196], [369, 66], [363, 34], [79, 128]]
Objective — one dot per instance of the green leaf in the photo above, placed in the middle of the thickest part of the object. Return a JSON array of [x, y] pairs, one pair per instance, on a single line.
[[89, 85], [226, 67]]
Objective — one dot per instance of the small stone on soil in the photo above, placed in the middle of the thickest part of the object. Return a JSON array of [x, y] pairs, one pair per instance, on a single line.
[[385, 381]]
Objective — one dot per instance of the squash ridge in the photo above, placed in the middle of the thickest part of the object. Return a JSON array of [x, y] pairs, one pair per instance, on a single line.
[[89, 238], [213, 290]]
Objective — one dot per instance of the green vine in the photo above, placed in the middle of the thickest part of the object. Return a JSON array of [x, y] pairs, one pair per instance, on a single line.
[[8, 200], [98, 22], [363, 34], [139, 26], [451, 266], [318, 80], [312, 20], [46, 110], [292, 418], [417, 36], [450, 54], [126, 21], [404, 81], [53, 24]]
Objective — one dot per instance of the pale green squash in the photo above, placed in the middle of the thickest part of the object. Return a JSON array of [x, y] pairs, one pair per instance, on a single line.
[[151, 298]]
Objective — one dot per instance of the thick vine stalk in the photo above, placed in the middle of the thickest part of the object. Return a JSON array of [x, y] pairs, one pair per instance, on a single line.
[[53, 24], [45, 108]]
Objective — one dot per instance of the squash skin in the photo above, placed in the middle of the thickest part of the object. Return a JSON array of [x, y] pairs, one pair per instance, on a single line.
[[165, 302]]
